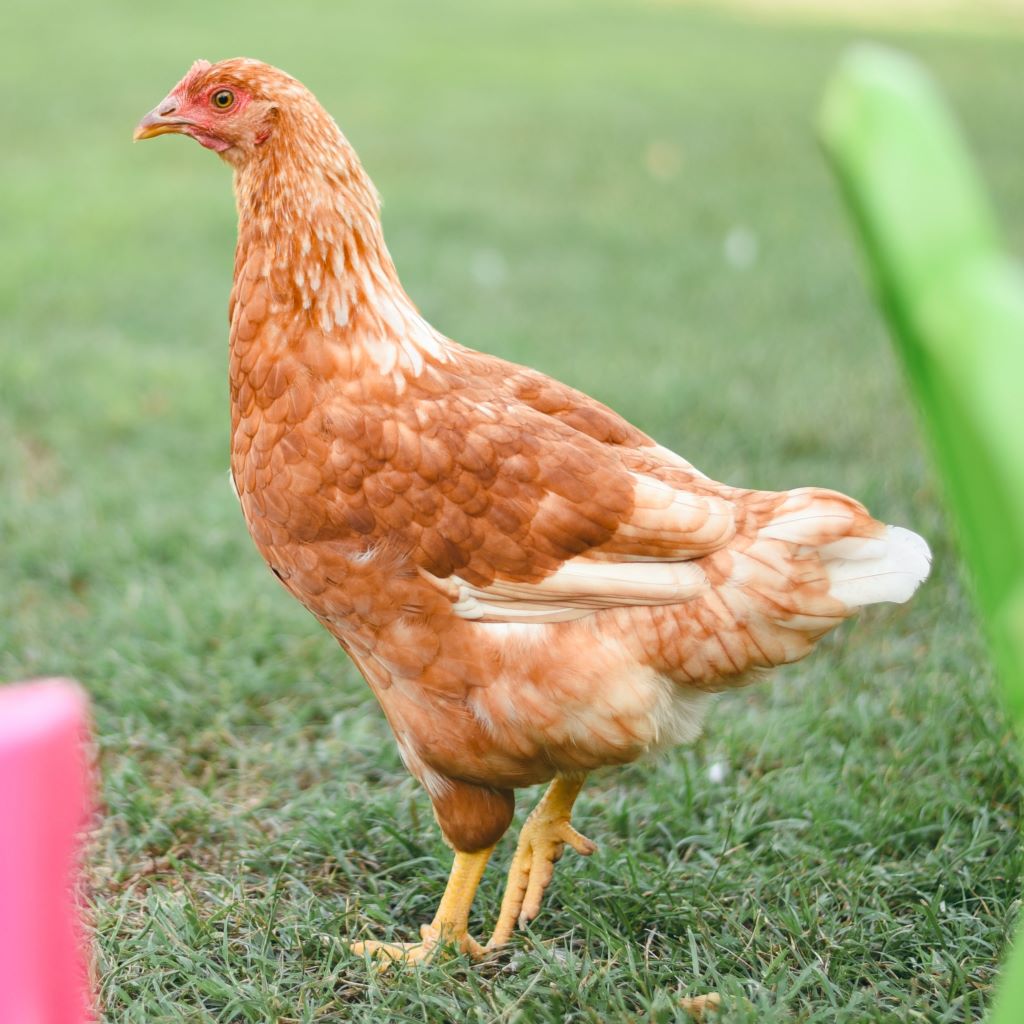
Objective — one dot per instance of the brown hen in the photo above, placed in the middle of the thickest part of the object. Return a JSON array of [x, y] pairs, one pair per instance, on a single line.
[[531, 586]]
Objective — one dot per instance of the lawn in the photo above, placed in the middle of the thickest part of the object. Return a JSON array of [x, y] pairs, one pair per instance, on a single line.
[[628, 196]]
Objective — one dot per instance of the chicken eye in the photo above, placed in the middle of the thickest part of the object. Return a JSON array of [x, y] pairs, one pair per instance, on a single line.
[[222, 99]]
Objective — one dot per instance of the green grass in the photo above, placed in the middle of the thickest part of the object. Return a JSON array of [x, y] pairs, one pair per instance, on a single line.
[[859, 861]]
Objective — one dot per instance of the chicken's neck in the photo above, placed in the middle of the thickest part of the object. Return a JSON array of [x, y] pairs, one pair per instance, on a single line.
[[309, 232]]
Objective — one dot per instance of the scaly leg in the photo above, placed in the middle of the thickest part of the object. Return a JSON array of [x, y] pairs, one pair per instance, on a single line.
[[451, 922], [542, 841]]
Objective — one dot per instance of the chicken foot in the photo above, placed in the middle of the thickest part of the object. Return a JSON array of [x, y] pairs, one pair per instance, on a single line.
[[544, 836], [450, 926]]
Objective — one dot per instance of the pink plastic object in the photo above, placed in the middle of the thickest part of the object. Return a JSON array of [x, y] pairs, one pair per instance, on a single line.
[[44, 800]]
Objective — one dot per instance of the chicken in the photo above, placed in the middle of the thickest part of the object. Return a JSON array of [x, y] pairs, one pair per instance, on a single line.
[[530, 585]]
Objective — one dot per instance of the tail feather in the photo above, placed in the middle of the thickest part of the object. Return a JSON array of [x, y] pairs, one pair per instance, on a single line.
[[802, 562], [865, 571], [817, 557]]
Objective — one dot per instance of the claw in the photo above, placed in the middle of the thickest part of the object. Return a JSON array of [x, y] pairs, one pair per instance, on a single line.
[[450, 928], [545, 852], [541, 844], [434, 943]]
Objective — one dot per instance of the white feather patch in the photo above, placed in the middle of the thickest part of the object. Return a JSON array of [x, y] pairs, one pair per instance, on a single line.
[[866, 573], [581, 586]]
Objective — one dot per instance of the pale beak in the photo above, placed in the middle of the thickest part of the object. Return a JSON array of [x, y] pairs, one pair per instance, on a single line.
[[159, 121]]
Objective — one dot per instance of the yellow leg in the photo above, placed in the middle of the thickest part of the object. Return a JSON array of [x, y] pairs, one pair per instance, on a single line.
[[542, 841], [451, 922]]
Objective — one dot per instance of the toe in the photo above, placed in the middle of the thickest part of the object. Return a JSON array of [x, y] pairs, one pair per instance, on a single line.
[[698, 1006], [542, 870], [580, 843], [384, 954]]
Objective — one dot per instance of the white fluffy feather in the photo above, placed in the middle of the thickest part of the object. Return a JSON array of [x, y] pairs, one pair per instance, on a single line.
[[869, 571]]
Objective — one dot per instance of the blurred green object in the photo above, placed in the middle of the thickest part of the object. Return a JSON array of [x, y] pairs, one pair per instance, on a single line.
[[955, 303]]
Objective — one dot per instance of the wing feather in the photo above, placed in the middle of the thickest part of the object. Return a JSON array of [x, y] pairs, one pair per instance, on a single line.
[[523, 501], [578, 588]]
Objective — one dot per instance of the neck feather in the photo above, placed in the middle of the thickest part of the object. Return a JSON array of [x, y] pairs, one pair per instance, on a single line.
[[309, 224]]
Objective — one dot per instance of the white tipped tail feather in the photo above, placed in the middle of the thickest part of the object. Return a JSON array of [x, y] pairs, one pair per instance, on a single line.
[[865, 571]]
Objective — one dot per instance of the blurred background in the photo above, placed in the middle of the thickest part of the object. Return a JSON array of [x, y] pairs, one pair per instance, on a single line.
[[626, 195]]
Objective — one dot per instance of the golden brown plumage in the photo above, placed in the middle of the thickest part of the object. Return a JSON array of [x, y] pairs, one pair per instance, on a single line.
[[531, 586]]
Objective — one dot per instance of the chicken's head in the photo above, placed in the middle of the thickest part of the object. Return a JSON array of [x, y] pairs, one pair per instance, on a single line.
[[230, 107]]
